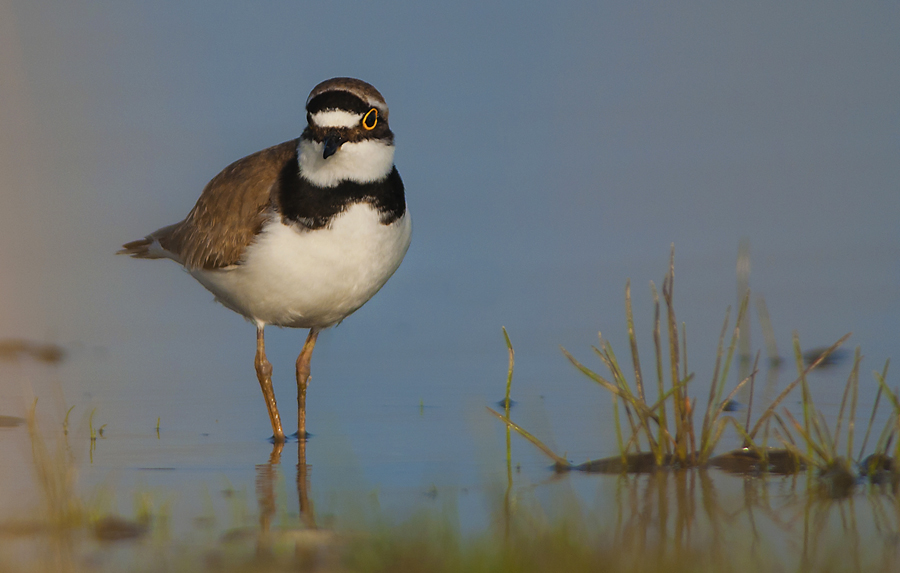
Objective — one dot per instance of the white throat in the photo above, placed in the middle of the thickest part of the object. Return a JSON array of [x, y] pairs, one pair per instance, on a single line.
[[364, 161]]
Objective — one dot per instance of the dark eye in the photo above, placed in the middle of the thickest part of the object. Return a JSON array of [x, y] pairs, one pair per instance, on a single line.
[[370, 120]]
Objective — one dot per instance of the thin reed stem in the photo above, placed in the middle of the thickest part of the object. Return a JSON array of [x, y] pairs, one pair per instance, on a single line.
[[862, 448], [792, 385], [562, 462], [635, 358]]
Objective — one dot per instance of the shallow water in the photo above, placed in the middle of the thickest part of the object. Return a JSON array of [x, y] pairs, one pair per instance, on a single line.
[[703, 128]]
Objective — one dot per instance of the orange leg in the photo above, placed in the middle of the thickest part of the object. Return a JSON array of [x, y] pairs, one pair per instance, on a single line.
[[264, 374], [303, 380]]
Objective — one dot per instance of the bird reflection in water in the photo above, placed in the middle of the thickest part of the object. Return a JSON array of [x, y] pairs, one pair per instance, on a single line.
[[307, 539]]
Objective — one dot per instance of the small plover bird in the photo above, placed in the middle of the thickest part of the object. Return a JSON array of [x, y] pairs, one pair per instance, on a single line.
[[301, 234]]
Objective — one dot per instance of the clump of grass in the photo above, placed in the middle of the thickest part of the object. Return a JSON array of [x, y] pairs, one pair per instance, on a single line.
[[880, 466], [63, 512], [55, 475], [661, 433]]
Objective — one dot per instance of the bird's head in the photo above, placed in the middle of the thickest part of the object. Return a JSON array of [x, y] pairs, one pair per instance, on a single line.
[[347, 136]]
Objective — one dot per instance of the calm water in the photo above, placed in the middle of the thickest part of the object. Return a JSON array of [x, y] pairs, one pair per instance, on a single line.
[[549, 155]]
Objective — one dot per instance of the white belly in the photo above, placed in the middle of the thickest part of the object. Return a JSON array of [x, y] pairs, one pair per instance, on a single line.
[[304, 279]]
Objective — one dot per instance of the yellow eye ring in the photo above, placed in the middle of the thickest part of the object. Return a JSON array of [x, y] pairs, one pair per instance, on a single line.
[[373, 114]]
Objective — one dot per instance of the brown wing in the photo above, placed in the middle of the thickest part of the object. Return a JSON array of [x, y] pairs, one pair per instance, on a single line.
[[228, 215]]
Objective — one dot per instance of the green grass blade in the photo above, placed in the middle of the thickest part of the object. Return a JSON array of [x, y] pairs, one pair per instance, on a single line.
[[623, 452], [750, 401], [812, 445], [895, 403], [635, 358], [593, 375], [820, 427], [804, 391], [663, 424], [540, 445], [748, 441], [784, 427], [792, 385], [706, 449], [620, 391], [742, 310], [848, 392], [707, 420], [681, 421], [609, 359], [862, 448], [512, 364]]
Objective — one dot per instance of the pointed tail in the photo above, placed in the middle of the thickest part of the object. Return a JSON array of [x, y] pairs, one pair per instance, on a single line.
[[142, 249]]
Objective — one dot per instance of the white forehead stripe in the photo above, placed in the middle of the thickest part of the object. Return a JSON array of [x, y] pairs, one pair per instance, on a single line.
[[336, 118], [382, 109]]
